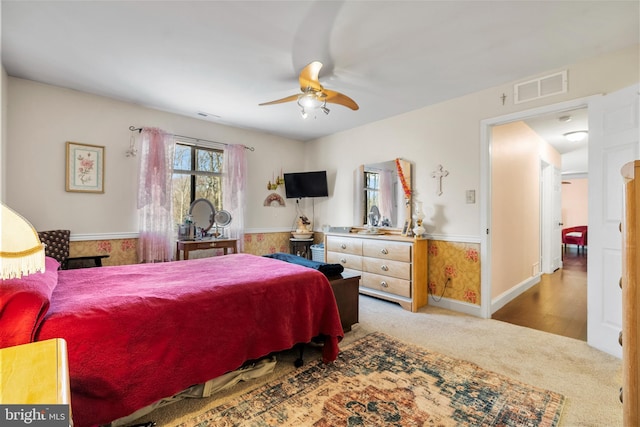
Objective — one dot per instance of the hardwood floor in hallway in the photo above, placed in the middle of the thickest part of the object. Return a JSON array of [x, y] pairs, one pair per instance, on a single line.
[[558, 304]]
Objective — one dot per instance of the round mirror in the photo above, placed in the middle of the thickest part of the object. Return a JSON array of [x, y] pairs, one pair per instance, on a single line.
[[222, 218], [203, 214]]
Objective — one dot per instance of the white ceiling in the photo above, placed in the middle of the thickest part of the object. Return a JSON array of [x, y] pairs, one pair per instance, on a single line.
[[224, 58]]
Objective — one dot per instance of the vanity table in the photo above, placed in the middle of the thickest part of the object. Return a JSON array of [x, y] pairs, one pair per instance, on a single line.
[[187, 246], [203, 216]]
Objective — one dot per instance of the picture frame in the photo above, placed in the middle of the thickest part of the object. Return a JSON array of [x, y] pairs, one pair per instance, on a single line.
[[84, 168], [405, 228]]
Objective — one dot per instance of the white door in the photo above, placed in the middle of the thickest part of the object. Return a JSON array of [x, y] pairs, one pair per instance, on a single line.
[[556, 234], [613, 141], [551, 218]]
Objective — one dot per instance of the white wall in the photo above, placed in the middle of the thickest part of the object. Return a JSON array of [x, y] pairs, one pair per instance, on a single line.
[[575, 202], [3, 129], [41, 118], [448, 134]]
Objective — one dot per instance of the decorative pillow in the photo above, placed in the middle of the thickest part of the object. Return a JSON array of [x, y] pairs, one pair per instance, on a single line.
[[574, 234], [24, 303]]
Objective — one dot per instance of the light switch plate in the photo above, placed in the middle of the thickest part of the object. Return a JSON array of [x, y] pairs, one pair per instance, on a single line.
[[471, 196]]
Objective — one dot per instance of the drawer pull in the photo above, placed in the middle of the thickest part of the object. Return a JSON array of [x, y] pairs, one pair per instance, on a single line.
[[384, 268], [620, 283], [384, 284], [343, 246], [384, 251], [620, 338], [621, 395], [342, 260]]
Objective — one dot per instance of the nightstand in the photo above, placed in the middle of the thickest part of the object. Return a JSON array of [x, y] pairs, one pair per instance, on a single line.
[[300, 247], [37, 373]]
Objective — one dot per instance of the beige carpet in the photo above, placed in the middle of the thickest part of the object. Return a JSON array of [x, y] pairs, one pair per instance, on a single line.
[[588, 378]]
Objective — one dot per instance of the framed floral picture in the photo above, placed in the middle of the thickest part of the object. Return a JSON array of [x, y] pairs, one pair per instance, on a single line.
[[85, 168]]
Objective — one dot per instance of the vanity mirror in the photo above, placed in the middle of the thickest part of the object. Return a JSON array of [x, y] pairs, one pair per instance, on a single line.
[[203, 214], [383, 194]]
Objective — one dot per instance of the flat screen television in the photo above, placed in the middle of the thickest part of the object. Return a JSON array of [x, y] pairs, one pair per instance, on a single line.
[[306, 184]]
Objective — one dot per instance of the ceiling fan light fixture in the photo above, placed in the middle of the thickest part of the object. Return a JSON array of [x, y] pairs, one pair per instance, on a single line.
[[314, 97], [310, 100], [576, 136]]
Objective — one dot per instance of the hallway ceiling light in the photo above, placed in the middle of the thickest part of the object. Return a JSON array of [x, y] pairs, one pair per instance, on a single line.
[[576, 136]]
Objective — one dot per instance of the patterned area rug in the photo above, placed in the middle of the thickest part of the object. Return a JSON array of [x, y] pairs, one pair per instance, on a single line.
[[379, 381]]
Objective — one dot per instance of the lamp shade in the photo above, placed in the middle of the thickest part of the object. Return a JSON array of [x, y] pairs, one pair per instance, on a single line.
[[21, 252]]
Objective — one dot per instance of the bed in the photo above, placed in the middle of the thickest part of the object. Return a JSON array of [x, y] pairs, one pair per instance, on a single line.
[[139, 333]]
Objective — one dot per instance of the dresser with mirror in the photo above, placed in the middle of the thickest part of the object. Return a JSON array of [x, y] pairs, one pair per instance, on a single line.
[[392, 266]]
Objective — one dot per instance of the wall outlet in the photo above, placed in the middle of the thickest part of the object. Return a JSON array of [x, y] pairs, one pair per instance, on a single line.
[[471, 196], [535, 269]]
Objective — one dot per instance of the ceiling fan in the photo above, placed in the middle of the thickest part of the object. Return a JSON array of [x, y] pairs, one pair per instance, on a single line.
[[313, 95]]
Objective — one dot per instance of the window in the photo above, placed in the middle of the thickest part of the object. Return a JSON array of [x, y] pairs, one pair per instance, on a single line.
[[197, 173]]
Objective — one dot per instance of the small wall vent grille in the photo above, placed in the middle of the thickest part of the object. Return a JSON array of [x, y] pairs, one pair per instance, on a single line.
[[542, 87]]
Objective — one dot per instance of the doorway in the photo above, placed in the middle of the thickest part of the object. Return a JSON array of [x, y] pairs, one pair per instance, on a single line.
[[551, 299], [529, 262]]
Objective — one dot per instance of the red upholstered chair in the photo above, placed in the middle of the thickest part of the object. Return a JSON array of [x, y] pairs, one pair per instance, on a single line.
[[575, 236]]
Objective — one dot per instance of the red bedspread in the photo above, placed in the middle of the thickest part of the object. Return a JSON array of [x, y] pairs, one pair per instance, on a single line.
[[139, 333]]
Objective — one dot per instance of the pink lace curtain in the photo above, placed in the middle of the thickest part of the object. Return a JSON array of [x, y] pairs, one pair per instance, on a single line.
[[155, 243], [234, 190]]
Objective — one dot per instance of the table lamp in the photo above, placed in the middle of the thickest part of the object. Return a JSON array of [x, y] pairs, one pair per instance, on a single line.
[[21, 252]]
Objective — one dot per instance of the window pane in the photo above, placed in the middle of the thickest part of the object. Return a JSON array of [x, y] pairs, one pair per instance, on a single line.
[[181, 196], [210, 188], [208, 160], [182, 159]]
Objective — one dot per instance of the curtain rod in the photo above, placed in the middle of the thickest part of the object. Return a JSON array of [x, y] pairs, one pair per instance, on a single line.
[[133, 129]]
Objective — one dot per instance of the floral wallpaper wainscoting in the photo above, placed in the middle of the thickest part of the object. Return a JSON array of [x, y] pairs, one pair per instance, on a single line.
[[120, 251], [124, 251], [459, 262], [269, 243]]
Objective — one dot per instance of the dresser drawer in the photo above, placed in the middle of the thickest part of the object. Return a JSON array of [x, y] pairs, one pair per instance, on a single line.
[[391, 285], [353, 262], [346, 245], [396, 251], [385, 267]]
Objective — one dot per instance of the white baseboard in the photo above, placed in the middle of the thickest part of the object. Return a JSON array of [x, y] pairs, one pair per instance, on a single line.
[[455, 305], [508, 296]]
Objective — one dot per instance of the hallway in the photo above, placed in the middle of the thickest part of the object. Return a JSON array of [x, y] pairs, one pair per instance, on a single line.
[[558, 304]]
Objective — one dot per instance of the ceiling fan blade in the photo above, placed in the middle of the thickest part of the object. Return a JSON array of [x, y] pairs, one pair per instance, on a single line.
[[309, 77], [334, 97], [280, 101]]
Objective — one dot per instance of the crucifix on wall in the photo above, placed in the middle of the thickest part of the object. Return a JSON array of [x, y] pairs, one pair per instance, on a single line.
[[438, 174]]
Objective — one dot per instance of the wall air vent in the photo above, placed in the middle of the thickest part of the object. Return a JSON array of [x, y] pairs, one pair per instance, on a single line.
[[552, 84]]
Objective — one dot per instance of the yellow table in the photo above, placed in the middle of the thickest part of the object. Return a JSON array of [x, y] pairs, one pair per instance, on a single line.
[[35, 373]]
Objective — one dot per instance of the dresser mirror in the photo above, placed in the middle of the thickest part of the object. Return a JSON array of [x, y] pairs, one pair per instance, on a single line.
[[383, 194]]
